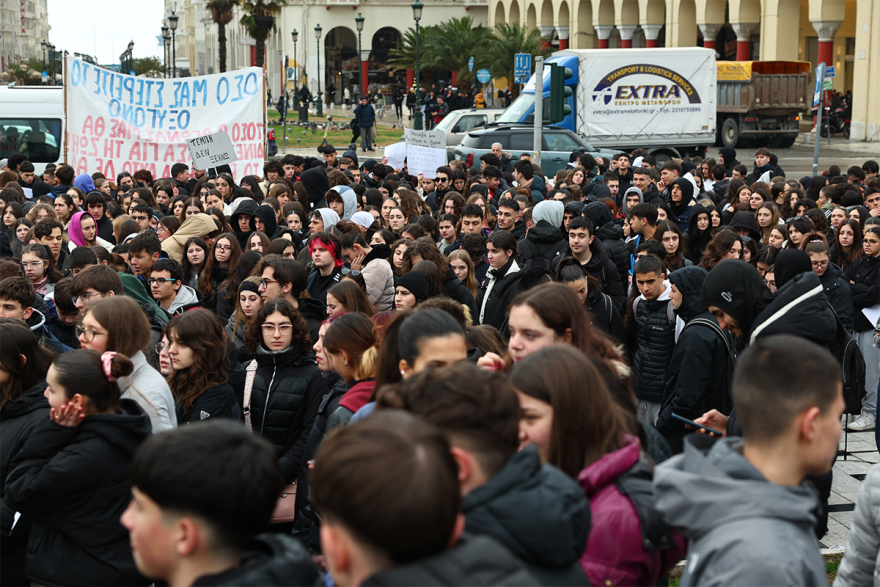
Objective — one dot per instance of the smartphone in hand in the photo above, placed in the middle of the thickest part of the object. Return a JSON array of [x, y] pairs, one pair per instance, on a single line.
[[695, 425]]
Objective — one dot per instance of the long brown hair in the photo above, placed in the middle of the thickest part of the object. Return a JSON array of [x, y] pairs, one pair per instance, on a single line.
[[587, 423], [22, 358], [201, 331], [471, 282], [840, 257], [675, 261], [206, 281], [352, 297], [354, 334]]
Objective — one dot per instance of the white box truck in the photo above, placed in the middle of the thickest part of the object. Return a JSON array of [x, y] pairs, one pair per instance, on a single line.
[[663, 100]]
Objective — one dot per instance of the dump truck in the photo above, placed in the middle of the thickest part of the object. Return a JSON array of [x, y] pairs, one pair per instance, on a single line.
[[761, 102]]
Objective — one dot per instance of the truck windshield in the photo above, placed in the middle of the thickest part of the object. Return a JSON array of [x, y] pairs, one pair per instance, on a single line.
[[517, 111]]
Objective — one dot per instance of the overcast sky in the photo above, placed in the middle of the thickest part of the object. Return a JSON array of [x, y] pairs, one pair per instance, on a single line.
[[104, 27]]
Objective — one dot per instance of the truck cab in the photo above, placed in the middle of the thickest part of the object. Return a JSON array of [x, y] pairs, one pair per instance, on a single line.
[[522, 110]]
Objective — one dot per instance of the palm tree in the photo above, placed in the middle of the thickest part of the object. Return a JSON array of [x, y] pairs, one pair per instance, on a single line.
[[456, 41], [404, 56], [221, 13], [510, 40], [259, 20]]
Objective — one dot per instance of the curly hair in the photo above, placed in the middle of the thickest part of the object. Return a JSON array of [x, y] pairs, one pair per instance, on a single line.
[[253, 337], [201, 331]]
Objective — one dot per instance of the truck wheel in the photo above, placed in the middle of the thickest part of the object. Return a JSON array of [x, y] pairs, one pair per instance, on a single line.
[[786, 142], [730, 132]]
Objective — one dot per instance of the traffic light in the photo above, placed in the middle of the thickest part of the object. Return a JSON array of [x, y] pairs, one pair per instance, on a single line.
[[559, 94]]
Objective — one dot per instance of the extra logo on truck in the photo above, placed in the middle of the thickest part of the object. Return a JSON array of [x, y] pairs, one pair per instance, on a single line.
[[670, 89]]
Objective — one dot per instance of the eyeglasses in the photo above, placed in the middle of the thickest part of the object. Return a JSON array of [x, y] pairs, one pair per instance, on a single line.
[[154, 280], [224, 247], [347, 271], [282, 328], [265, 282], [160, 346], [88, 335], [34, 264], [85, 297], [819, 263]]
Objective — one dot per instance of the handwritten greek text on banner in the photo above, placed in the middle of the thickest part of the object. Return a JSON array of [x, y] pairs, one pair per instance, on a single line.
[[121, 123]]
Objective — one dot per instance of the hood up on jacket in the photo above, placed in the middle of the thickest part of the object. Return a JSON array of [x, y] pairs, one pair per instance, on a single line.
[[74, 229], [549, 211], [696, 210], [266, 213], [632, 190], [689, 281], [687, 195], [789, 264], [186, 296], [84, 182], [349, 200], [729, 154], [316, 183], [196, 225], [744, 220], [736, 288], [598, 213], [136, 290], [600, 190], [329, 216], [246, 207]]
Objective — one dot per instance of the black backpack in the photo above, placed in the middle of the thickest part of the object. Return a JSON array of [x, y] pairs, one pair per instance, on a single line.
[[724, 402], [852, 363], [534, 258]]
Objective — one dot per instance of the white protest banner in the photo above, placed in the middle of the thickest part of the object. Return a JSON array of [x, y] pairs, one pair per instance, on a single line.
[[119, 122], [425, 151], [395, 154], [211, 150]]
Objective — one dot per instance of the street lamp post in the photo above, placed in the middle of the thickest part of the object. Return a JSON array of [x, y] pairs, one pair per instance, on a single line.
[[417, 16], [295, 36], [43, 47], [172, 23], [320, 109], [359, 21], [130, 56], [51, 48], [166, 36]]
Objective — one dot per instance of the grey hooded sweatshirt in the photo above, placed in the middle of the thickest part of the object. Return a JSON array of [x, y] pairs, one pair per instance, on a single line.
[[741, 529]]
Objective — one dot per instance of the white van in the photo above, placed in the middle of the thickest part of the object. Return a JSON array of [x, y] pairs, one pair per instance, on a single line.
[[458, 123], [32, 122]]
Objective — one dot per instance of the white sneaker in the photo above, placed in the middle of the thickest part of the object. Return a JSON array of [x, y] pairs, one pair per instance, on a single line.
[[862, 423], [845, 419]]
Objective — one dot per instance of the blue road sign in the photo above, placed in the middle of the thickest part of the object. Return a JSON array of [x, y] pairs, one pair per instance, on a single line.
[[471, 64], [820, 78], [483, 76], [522, 67], [829, 71]]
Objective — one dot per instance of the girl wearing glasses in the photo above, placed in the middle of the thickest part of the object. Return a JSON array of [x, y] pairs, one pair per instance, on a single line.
[[219, 266], [199, 376], [39, 269], [287, 385], [118, 324]]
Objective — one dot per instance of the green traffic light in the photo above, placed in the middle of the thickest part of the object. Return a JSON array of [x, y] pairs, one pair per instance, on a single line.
[[559, 93]]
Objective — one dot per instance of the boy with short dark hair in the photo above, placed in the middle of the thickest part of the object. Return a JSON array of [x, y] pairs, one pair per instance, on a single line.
[[17, 297], [144, 250], [184, 531], [742, 502], [167, 288], [471, 220], [51, 235]]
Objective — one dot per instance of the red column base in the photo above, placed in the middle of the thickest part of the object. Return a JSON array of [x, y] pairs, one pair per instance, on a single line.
[[563, 44], [365, 76], [626, 43], [743, 50], [708, 44], [826, 53], [603, 43], [545, 44], [651, 43]]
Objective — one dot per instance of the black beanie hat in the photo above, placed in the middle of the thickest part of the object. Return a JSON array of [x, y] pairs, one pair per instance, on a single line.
[[316, 183], [417, 284]]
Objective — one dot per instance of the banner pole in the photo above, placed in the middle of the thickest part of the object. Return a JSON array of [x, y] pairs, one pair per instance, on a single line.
[[64, 85]]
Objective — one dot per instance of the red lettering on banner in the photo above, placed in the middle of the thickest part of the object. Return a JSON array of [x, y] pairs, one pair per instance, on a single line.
[[135, 151]]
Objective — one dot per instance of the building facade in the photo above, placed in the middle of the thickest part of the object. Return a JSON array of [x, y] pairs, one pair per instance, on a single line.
[[24, 25]]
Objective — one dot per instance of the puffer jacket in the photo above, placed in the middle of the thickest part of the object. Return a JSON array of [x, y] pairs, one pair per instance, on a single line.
[[287, 391], [611, 235], [699, 374], [616, 552], [839, 295], [864, 272], [74, 483], [497, 298], [861, 563], [379, 278], [196, 225], [18, 418], [654, 349], [268, 559], [536, 511]]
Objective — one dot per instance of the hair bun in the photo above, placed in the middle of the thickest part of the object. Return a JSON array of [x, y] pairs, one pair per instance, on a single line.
[[121, 366]]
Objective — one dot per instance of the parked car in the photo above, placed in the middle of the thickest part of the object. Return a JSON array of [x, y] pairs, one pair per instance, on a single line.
[[458, 123], [556, 148]]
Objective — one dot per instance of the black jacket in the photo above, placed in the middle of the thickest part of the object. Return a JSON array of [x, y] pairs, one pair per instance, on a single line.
[[434, 199], [245, 208], [606, 317], [318, 285], [603, 269], [287, 391], [18, 418], [536, 511], [455, 289], [698, 377], [314, 312], [611, 235], [654, 349], [697, 239], [269, 559], [74, 483], [864, 272], [837, 290], [811, 318], [218, 401], [266, 213], [105, 230], [500, 297], [475, 560], [542, 240]]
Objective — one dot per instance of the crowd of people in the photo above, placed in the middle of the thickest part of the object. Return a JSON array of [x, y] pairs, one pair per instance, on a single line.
[[338, 373]]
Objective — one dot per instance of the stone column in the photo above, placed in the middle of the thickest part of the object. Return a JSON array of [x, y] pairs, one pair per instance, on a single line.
[[626, 35], [562, 33], [603, 31], [744, 32], [710, 32], [365, 71], [546, 36], [652, 31], [826, 30]]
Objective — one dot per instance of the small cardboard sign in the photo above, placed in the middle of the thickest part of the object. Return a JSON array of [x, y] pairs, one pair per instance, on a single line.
[[211, 150]]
